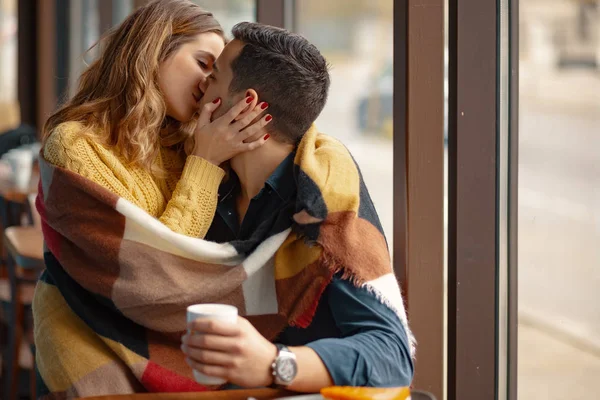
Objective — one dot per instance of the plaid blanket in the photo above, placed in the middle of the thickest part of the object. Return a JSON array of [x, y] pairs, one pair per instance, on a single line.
[[111, 306]]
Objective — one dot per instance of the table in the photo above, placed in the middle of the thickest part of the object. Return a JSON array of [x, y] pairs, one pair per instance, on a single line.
[[13, 202], [14, 199], [243, 394]]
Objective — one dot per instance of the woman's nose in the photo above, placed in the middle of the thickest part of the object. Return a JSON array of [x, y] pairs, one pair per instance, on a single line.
[[203, 83]]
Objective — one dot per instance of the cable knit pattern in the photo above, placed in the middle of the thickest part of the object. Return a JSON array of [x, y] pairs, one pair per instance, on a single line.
[[186, 203]]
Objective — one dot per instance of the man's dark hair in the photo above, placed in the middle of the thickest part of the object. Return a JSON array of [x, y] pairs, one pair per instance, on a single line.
[[287, 71]]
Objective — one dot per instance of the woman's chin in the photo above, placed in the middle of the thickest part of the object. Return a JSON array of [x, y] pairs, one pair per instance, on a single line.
[[184, 117]]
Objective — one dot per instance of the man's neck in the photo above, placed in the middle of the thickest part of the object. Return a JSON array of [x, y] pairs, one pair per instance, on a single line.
[[254, 168]]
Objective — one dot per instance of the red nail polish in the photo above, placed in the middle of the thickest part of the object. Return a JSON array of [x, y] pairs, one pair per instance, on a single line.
[[268, 118], [267, 136], [264, 105], [249, 100], [215, 101]]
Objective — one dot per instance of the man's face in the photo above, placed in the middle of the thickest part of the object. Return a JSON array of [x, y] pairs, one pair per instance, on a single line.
[[220, 79]]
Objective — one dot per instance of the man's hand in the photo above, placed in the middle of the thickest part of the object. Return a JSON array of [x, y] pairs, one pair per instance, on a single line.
[[235, 352]]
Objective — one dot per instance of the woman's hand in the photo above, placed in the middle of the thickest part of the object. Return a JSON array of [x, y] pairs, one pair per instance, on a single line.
[[230, 134], [237, 353]]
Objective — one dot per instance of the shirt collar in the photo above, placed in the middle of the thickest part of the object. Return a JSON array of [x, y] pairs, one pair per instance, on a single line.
[[281, 181]]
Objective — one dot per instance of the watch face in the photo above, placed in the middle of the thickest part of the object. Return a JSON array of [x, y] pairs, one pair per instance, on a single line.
[[286, 369]]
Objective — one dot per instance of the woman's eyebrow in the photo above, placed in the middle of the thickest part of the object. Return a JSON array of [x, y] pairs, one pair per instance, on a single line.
[[206, 54]]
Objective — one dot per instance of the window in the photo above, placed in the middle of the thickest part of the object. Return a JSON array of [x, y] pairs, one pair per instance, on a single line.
[[230, 12], [559, 217], [9, 106], [84, 33], [356, 38], [8, 50]]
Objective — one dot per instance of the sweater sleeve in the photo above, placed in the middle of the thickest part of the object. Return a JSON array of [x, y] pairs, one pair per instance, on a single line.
[[193, 203], [191, 207]]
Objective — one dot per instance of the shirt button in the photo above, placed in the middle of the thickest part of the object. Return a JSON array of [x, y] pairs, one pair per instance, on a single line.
[[229, 213]]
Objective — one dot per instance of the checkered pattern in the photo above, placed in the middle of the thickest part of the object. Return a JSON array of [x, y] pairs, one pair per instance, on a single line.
[[110, 309]]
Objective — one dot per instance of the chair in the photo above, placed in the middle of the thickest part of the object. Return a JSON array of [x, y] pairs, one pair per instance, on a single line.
[[420, 395], [24, 262]]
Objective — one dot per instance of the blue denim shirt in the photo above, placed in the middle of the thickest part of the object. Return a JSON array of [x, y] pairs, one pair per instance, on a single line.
[[361, 341]]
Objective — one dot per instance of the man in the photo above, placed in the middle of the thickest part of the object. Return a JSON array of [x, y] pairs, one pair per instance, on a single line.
[[353, 338]]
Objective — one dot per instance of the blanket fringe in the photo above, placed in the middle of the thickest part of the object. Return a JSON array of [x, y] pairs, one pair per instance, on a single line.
[[336, 267], [400, 313]]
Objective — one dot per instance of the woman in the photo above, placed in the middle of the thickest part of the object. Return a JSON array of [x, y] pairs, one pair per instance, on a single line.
[[125, 129], [135, 107]]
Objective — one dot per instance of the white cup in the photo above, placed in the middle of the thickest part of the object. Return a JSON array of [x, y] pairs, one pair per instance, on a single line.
[[21, 164], [221, 312]]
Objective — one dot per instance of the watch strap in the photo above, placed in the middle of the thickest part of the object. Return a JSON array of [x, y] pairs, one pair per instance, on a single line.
[[280, 348]]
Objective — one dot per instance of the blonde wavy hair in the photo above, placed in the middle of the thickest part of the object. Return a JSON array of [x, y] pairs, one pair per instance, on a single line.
[[118, 100]]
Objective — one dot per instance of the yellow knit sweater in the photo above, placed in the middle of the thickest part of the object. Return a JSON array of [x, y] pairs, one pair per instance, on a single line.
[[185, 203]]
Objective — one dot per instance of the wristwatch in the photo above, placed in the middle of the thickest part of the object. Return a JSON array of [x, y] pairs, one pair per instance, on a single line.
[[284, 367]]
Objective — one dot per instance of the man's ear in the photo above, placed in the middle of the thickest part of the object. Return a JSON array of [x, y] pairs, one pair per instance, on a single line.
[[249, 93]]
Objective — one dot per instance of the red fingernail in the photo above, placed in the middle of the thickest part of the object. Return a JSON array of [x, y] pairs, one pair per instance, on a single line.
[[249, 100], [264, 105], [215, 101], [268, 118], [267, 136]]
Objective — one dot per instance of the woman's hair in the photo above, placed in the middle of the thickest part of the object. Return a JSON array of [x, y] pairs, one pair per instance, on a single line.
[[118, 99]]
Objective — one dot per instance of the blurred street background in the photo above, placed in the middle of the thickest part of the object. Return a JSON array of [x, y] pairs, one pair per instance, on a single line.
[[559, 199]]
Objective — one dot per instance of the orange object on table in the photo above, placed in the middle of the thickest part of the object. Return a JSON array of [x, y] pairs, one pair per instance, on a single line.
[[361, 393]]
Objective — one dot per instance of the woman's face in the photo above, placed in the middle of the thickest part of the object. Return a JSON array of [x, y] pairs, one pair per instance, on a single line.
[[182, 77]]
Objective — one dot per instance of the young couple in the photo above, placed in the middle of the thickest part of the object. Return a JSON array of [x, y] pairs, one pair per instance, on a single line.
[[187, 169]]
